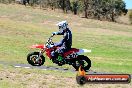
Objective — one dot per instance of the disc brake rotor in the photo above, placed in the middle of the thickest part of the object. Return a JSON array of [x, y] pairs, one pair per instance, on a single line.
[[33, 58], [40, 60]]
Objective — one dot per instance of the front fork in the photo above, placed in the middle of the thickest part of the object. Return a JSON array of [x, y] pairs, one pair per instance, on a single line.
[[40, 53]]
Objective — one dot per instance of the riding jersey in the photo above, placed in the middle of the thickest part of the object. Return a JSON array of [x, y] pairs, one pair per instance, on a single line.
[[67, 39]]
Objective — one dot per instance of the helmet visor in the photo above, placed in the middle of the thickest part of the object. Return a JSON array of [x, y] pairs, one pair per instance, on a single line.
[[61, 29]]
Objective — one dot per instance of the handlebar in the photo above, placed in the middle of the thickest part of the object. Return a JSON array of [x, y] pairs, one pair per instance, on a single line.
[[51, 37], [49, 41]]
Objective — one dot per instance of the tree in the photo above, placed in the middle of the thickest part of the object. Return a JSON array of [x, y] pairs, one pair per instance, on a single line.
[[65, 5], [74, 7], [85, 8]]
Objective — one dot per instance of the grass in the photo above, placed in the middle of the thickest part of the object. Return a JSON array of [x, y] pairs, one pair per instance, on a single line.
[[22, 26]]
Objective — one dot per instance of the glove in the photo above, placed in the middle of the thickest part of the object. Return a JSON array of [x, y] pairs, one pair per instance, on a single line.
[[54, 33], [51, 46]]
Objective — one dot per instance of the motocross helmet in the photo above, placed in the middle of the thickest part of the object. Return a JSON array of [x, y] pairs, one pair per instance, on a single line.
[[62, 26]]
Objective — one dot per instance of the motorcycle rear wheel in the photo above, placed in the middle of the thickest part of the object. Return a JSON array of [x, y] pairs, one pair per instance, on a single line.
[[79, 61]]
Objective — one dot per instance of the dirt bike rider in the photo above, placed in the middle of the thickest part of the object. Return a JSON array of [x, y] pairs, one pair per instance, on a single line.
[[66, 43]]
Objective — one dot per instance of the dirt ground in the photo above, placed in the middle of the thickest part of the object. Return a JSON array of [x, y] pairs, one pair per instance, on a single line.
[[24, 78]]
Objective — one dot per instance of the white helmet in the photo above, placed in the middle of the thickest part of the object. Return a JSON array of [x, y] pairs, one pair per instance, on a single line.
[[62, 25]]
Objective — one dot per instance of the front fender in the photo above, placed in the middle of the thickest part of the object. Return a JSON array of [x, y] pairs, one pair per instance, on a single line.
[[40, 46]]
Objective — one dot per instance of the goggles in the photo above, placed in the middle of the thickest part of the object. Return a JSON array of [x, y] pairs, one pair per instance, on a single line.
[[60, 27]]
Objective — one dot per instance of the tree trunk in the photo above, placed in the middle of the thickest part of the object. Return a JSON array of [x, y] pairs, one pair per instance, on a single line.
[[86, 8]]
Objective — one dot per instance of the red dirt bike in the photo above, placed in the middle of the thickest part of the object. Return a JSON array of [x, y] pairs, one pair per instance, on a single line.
[[71, 57]]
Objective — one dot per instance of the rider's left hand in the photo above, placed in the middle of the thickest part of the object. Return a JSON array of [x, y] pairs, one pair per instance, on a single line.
[[51, 46]]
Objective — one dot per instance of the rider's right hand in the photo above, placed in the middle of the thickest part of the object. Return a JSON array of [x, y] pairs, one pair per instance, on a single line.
[[54, 33]]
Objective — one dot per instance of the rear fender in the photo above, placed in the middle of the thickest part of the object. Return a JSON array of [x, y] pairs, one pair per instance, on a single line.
[[83, 51]]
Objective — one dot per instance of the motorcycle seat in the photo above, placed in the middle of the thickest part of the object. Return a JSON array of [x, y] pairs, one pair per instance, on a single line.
[[72, 50]]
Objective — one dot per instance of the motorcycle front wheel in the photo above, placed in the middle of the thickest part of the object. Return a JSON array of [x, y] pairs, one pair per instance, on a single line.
[[34, 59]]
